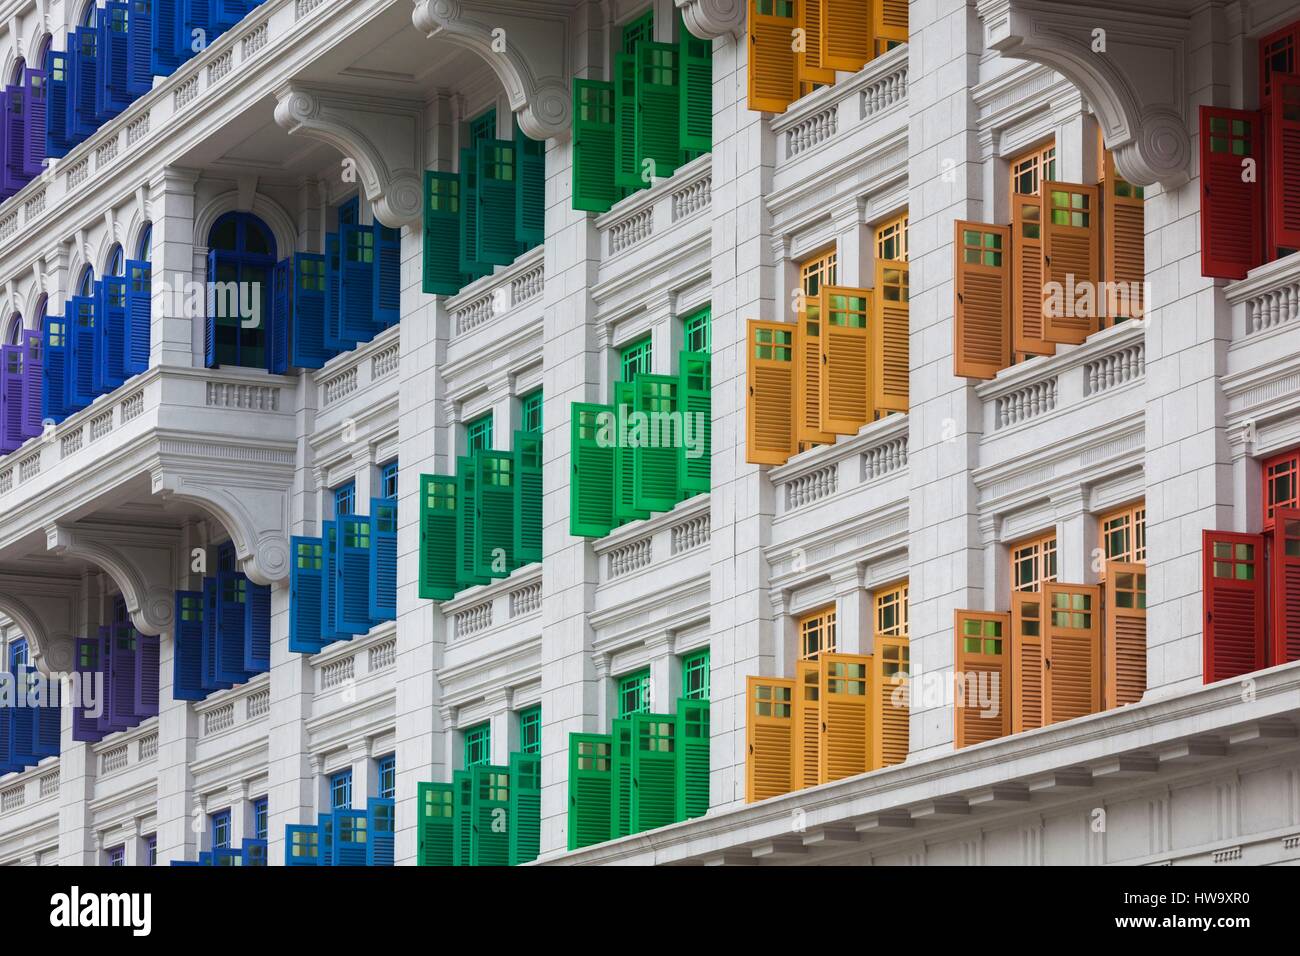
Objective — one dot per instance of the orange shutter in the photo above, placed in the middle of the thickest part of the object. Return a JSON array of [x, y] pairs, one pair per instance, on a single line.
[[1027, 276], [889, 331], [1026, 661], [846, 39], [1071, 261], [846, 356], [808, 365], [1126, 634], [770, 409], [812, 20], [846, 718], [807, 724], [1123, 243], [982, 681], [773, 79], [889, 21], [1071, 651], [982, 310], [769, 734], [890, 704]]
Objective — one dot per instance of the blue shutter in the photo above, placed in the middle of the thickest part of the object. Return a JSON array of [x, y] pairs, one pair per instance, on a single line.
[[56, 107], [308, 309], [84, 726], [139, 43], [33, 369], [85, 59], [199, 15], [357, 301], [54, 369], [352, 575], [22, 726], [388, 276], [381, 826], [350, 838], [104, 722], [528, 498], [15, 138], [301, 845], [145, 680], [166, 35], [139, 316], [211, 640], [46, 728], [210, 318], [278, 334], [110, 330], [187, 647], [333, 297], [232, 601], [257, 628], [329, 584], [7, 742], [114, 60], [253, 853], [37, 94], [12, 381], [81, 367], [306, 580], [383, 560], [326, 828]]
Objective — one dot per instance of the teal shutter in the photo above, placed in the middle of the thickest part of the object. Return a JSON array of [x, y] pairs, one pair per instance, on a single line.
[[625, 508], [658, 125], [498, 183], [463, 822], [594, 189], [692, 758], [591, 485], [621, 785], [654, 771], [301, 845], [437, 803], [696, 89], [528, 497], [695, 399], [525, 808], [442, 271], [627, 160], [437, 537], [589, 789], [530, 197], [467, 524], [469, 263], [495, 528], [655, 468], [491, 842]]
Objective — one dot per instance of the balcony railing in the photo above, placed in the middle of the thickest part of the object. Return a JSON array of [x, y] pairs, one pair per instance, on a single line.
[[650, 545], [877, 452], [492, 607], [1269, 298], [654, 211], [494, 297]]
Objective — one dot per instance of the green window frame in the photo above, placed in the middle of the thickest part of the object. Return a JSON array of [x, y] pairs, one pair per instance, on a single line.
[[695, 675], [483, 127], [478, 434], [530, 730], [698, 330], [530, 412], [478, 745], [639, 30], [636, 359], [634, 693]]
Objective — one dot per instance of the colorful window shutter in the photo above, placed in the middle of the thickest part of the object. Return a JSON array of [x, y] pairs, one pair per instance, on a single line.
[[351, 838], [139, 316], [467, 519], [625, 455], [277, 327], [33, 379], [890, 371], [380, 831], [620, 820], [890, 707], [1123, 242], [437, 537], [115, 59], [528, 498], [769, 737], [329, 583], [306, 597], [15, 138], [382, 579], [462, 853], [692, 773], [845, 742], [57, 143], [123, 674], [525, 820], [469, 216], [847, 43], [442, 272], [335, 341], [168, 38], [139, 41], [589, 789], [812, 21], [85, 118], [81, 364], [1232, 209], [352, 575], [211, 641], [806, 755], [495, 528], [1026, 661], [983, 695], [695, 110], [307, 316], [654, 771], [1125, 651], [657, 483], [659, 101], [1071, 258], [36, 92], [301, 845], [84, 727], [591, 488], [12, 382], [145, 678], [1234, 603], [491, 844], [627, 168], [232, 621], [530, 194], [388, 276], [773, 70], [187, 650], [110, 327], [695, 399], [982, 310], [889, 21], [1284, 165], [846, 357], [1071, 651], [594, 189], [357, 302], [210, 316], [770, 409], [1284, 569], [808, 375], [257, 628], [498, 183], [436, 803], [1027, 276]]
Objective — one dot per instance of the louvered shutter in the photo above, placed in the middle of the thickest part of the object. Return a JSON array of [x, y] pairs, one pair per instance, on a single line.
[[20, 721], [528, 498], [335, 342], [112, 328], [436, 803], [168, 38], [1071, 260], [1284, 165], [351, 838], [115, 59], [812, 20], [808, 376], [845, 747], [306, 595], [1232, 209], [807, 724], [889, 22], [695, 400], [257, 628], [530, 194], [1026, 661], [658, 128], [620, 796], [591, 488], [381, 829], [467, 517], [846, 38], [36, 92], [442, 272], [1125, 649], [498, 184], [81, 357], [329, 584], [352, 575], [462, 853], [85, 727], [187, 647], [692, 759], [33, 371], [773, 67], [491, 815], [1071, 651], [277, 334], [54, 370], [594, 188], [15, 139], [85, 70], [139, 41], [46, 728], [210, 313], [301, 845], [1284, 586], [232, 598], [437, 537], [654, 771], [769, 737], [1027, 276], [357, 301], [695, 61], [1233, 590], [982, 310], [253, 853], [57, 143], [627, 164], [139, 317], [495, 528], [589, 789], [325, 826], [469, 217], [11, 398], [145, 678], [890, 701], [123, 675], [525, 808], [382, 583], [625, 455], [1123, 244], [308, 312], [983, 710], [656, 481], [890, 335], [846, 357], [770, 408]]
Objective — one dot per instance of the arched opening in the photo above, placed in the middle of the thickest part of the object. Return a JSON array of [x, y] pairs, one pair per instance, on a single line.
[[90, 15], [144, 248], [115, 265], [14, 330], [86, 285], [16, 76], [46, 48], [241, 263]]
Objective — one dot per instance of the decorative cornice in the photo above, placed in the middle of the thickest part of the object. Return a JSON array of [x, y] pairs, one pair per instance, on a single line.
[[142, 565], [709, 19]]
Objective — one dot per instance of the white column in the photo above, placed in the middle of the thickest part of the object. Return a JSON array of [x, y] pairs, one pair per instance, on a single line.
[[174, 338], [365, 780], [1076, 538], [852, 612]]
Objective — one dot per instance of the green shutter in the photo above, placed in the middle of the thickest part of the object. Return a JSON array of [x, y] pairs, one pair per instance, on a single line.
[[621, 786], [696, 90], [695, 399], [437, 537], [491, 815], [627, 161], [591, 484], [525, 808], [437, 802], [497, 183], [594, 189], [495, 528], [442, 275], [625, 508], [467, 524], [468, 262], [528, 497], [589, 789], [654, 771], [658, 125], [463, 822], [640, 30], [692, 758], [530, 196], [656, 484]]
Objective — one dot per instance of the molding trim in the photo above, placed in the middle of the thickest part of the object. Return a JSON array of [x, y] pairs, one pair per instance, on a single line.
[[143, 565], [709, 19]]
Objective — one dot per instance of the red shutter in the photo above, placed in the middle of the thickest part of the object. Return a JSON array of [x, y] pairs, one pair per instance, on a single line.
[[1284, 165], [1232, 210], [1284, 571], [1233, 594]]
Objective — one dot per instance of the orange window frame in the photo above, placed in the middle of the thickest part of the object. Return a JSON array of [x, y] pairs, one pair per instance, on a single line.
[[1033, 562], [891, 239], [817, 271], [891, 611], [1123, 533], [1281, 475], [817, 634], [1030, 169]]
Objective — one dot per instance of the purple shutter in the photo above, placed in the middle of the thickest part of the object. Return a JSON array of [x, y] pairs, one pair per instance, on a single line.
[[6, 188], [15, 137], [32, 376], [12, 382], [37, 91], [146, 676], [104, 722], [84, 726], [123, 670]]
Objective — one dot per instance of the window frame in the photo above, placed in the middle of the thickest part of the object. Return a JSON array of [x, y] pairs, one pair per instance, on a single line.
[[1130, 518], [696, 663], [386, 777], [475, 738], [340, 786], [478, 429], [697, 330], [219, 829], [530, 411], [823, 621], [388, 476], [895, 597], [530, 730], [637, 356], [1040, 162], [1039, 546], [1284, 465], [635, 683], [261, 818], [892, 230]]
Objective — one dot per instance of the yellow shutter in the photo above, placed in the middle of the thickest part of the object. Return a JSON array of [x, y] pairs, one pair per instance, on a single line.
[[845, 716], [890, 370], [769, 735], [770, 408], [890, 703], [846, 39], [1027, 276], [982, 306], [1026, 661], [846, 348], [807, 721], [982, 686], [808, 348], [773, 79], [1126, 634], [812, 20], [1123, 242], [889, 21], [1071, 260], [1071, 651]]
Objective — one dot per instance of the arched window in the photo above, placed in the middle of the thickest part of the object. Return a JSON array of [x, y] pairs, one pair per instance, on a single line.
[[241, 264], [116, 261], [144, 251], [86, 287], [90, 15], [14, 331], [46, 48], [16, 77]]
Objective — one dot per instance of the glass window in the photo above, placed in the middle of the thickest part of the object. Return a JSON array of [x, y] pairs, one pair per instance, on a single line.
[[151, 850], [116, 855], [641, 29], [478, 434], [1030, 170], [891, 611], [891, 240], [530, 730], [388, 480], [817, 634], [530, 412], [261, 818], [1033, 563], [341, 790], [387, 777], [634, 693], [478, 745], [636, 359], [695, 675], [698, 327], [345, 500], [1124, 534], [483, 127], [221, 830], [1281, 489]]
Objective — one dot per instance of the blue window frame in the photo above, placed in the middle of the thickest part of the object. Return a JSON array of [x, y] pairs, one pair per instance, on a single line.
[[116, 262], [261, 819], [350, 212], [241, 251], [221, 830], [388, 777], [151, 850], [86, 288], [345, 499], [116, 855], [145, 248], [341, 790], [388, 480], [90, 15], [19, 654]]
